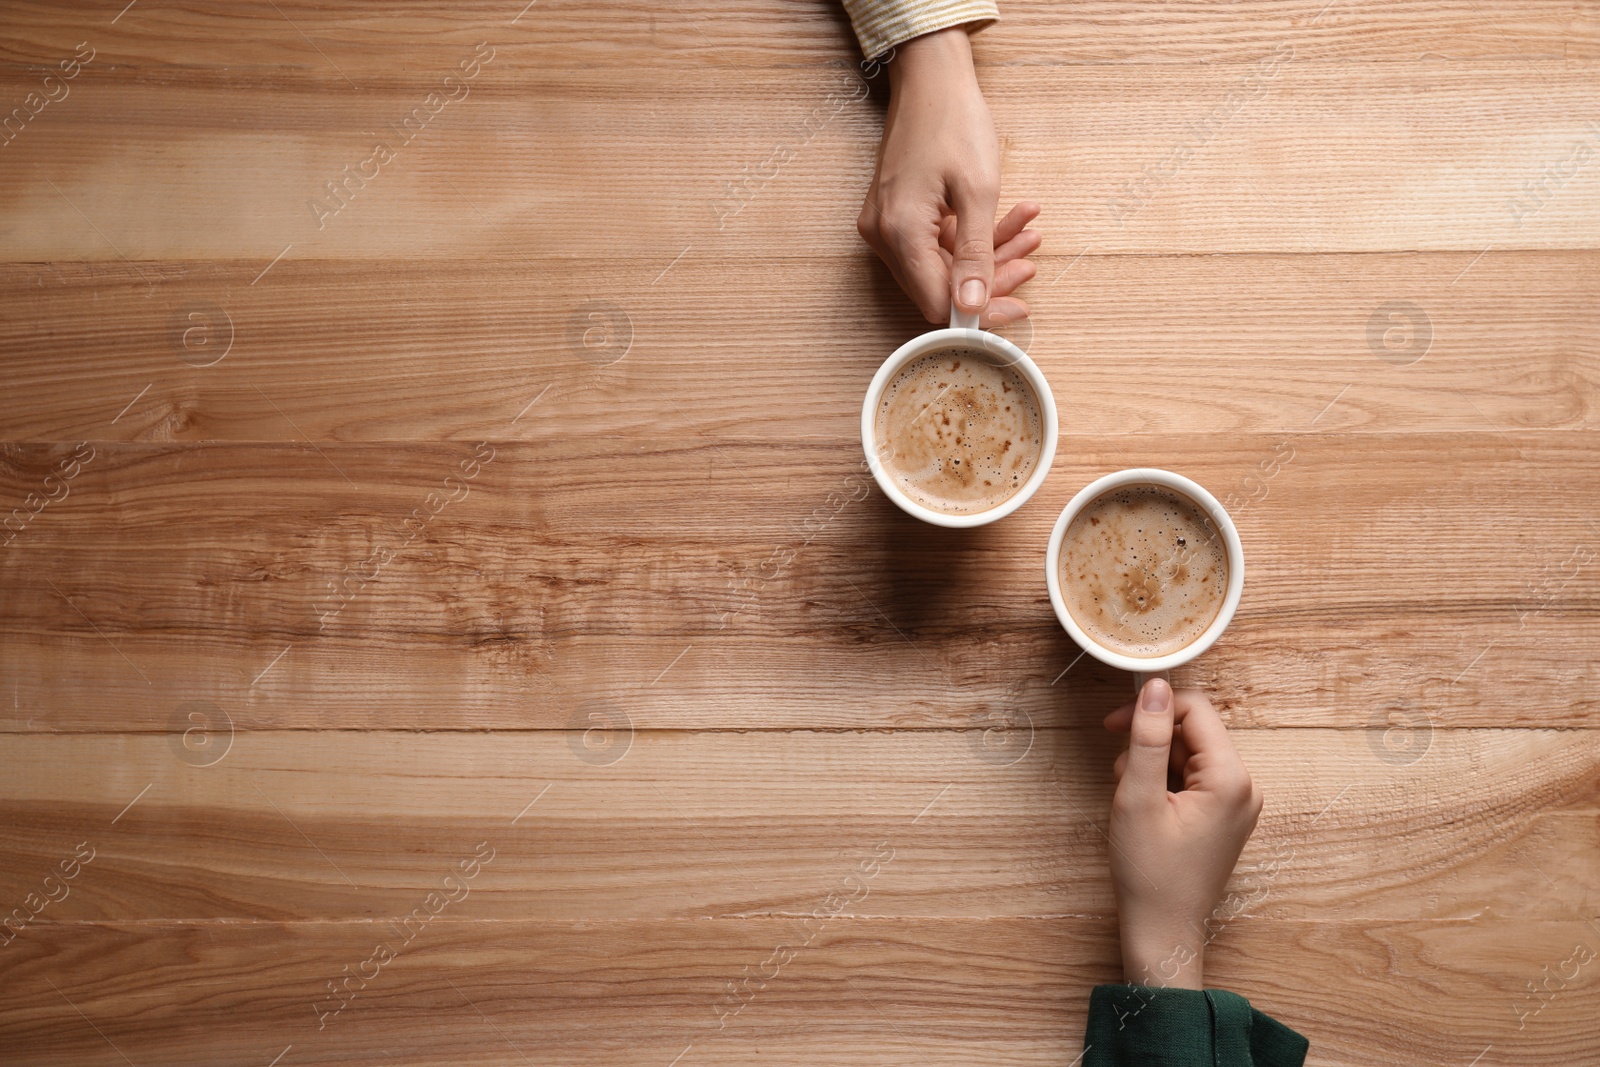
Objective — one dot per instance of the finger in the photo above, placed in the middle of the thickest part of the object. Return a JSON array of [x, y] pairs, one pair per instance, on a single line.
[[867, 221], [1008, 276], [1021, 246], [1211, 761], [913, 247], [1121, 765], [1202, 727], [1018, 242], [1121, 719], [972, 272], [1003, 311], [1144, 781], [1180, 752], [870, 225], [1016, 221], [889, 260]]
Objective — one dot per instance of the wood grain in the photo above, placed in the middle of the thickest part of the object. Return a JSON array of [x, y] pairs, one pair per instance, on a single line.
[[792, 585], [644, 991], [1285, 169], [283, 826], [225, 44], [397, 351], [666, 665]]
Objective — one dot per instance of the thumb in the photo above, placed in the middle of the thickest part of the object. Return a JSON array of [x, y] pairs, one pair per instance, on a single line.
[[972, 266], [1144, 780]]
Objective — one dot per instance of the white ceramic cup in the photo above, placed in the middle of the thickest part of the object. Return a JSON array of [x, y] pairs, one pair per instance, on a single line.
[[963, 331], [1145, 666]]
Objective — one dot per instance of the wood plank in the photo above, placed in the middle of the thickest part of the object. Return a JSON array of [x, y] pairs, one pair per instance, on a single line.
[[1303, 161], [224, 44], [1547, 35], [941, 991], [626, 823], [588, 569], [358, 351]]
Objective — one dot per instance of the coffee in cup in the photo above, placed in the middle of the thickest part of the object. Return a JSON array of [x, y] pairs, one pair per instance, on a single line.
[[1145, 569], [959, 430]]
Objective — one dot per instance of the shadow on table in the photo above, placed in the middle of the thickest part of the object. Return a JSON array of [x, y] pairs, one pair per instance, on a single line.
[[973, 603]]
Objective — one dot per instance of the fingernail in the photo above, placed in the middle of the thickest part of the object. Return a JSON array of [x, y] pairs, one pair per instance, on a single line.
[[1157, 696], [973, 292]]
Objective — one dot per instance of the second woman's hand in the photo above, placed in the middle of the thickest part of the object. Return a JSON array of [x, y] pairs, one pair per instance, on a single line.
[[1172, 852]]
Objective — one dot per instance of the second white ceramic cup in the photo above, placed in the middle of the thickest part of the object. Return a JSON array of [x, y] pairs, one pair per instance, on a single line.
[[1144, 666], [963, 331]]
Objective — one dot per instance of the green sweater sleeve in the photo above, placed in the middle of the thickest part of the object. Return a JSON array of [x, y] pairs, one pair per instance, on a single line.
[[1149, 1026]]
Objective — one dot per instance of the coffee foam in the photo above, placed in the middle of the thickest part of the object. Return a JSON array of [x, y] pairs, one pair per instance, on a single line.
[[959, 432], [1143, 570]]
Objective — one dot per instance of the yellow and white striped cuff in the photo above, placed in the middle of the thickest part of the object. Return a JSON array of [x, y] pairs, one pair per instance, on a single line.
[[882, 24]]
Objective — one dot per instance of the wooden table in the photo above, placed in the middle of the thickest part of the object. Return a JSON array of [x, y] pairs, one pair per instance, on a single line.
[[445, 622]]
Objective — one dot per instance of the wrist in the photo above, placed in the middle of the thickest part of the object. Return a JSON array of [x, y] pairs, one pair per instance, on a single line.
[[1170, 961], [941, 57]]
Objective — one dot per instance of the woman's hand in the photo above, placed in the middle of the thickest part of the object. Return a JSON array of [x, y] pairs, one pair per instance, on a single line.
[[929, 213], [1172, 852]]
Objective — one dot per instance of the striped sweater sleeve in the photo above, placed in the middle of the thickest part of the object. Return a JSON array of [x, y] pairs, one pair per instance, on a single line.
[[882, 24]]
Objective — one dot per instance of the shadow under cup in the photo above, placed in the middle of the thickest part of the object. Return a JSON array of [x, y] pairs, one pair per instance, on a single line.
[[996, 350], [1207, 505]]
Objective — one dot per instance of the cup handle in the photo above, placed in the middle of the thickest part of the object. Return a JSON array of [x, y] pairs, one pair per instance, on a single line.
[[962, 320], [1139, 678]]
